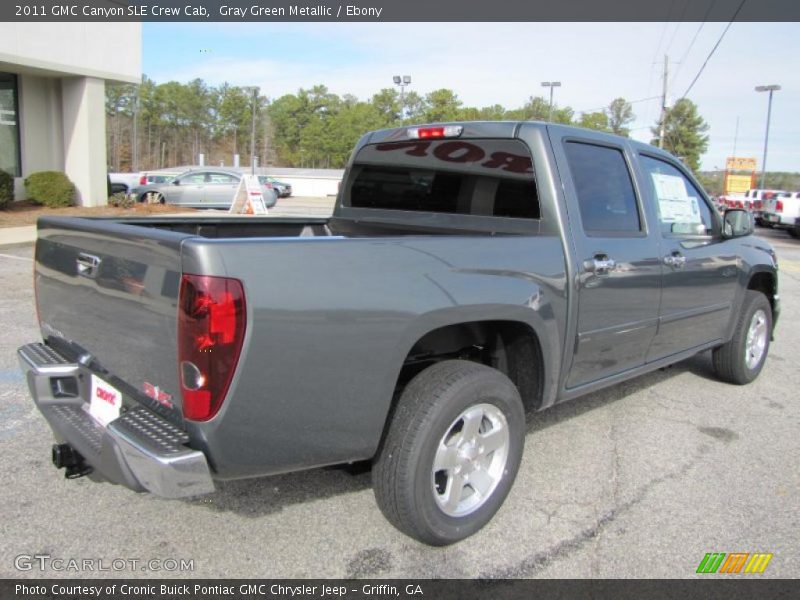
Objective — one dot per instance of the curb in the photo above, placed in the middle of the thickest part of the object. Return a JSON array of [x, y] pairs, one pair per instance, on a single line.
[[12, 236]]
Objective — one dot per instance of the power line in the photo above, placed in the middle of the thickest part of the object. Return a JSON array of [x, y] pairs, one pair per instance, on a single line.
[[678, 26], [714, 49], [694, 39], [628, 102]]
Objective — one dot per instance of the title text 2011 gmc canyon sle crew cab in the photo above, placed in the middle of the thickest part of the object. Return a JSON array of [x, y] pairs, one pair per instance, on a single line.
[[471, 274]]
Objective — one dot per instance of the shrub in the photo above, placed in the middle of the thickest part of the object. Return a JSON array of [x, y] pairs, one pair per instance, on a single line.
[[6, 189], [51, 188], [122, 200]]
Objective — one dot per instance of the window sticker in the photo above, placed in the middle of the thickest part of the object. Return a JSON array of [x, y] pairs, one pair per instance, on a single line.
[[674, 204]]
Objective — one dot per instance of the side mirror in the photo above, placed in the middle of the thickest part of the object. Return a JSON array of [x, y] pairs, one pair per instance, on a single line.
[[176, 182], [737, 222]]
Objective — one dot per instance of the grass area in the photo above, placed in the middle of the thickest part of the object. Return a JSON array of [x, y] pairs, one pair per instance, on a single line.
[[19, 214]]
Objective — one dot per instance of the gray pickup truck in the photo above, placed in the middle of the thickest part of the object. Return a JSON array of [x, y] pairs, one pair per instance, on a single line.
[[471, 275]]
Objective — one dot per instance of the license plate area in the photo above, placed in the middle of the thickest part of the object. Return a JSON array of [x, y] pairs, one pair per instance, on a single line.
[[105, 402]]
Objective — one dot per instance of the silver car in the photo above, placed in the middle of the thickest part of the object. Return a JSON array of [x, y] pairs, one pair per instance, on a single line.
[[202, 188]]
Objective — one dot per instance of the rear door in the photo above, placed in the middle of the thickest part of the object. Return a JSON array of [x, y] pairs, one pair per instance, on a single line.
[[220, 189], [700, 268], [619, 271]]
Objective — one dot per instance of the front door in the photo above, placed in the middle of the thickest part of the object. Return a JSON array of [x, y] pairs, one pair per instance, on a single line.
[[186, 189], [619, 271], [700, 269]]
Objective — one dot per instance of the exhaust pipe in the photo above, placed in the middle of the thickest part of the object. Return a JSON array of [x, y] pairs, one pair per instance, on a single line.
[[66, 457]]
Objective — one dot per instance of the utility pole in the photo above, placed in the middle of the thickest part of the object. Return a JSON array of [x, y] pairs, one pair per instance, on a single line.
[[663, 129], [770, 89], [735, 136]]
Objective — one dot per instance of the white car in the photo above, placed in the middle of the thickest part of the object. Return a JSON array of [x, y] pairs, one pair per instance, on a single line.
[[782, 211]]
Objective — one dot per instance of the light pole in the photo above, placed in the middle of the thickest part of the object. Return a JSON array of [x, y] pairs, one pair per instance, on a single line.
[[402, 82], [770, 89], [551, 85], [253, 134]]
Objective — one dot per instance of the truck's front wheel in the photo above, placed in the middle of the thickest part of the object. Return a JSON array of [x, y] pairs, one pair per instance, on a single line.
[[451, 453], [741, 359]]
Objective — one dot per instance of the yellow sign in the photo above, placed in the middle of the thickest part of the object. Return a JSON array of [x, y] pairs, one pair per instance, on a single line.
[[738, 184], [734, 163]]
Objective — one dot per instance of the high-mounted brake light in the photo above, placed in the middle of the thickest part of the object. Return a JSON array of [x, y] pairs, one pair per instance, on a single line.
[[425, 133], [211, 326]]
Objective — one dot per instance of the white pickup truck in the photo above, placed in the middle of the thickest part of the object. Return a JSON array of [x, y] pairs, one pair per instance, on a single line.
[[752, 200], [781, 211]]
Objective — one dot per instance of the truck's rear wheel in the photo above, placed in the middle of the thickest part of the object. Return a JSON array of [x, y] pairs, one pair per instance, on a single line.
[[451, 453], [742, 358]]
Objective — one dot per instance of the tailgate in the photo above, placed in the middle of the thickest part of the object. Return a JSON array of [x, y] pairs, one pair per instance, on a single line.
[[110, 291]]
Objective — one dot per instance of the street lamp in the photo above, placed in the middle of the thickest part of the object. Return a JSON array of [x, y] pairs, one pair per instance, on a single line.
[[551, 85], [402, 82], [770, 89]]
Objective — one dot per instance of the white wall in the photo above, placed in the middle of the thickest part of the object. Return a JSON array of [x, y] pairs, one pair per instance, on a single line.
[[62, 69], [83, 99], [104, 50], [41, 124], [312, 186]]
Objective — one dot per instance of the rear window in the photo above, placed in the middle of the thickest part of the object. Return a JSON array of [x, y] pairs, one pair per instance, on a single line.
[[467, 177]]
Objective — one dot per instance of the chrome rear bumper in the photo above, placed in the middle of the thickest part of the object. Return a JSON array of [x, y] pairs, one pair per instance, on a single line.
[[139, 450]]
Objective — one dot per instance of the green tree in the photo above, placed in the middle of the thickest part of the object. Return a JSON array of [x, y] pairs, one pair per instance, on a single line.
[[620, 115], [684, 133], [387, 103], [496, 112], [594, 120], [414, 106], [441, 105], [535, 109]]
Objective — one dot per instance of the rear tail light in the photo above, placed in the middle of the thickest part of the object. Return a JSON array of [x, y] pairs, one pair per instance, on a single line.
[[143, 180], [425, 133], [211, 326], [779, 206]]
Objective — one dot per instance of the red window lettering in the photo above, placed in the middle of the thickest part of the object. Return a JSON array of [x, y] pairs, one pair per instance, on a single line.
[[105, 396], [460, 152], [509, 162], [415, 148]]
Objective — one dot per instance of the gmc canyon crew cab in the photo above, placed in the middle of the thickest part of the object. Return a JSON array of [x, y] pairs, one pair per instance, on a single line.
[[471, 274]]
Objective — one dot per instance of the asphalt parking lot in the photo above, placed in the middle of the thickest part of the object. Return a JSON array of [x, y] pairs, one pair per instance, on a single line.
[[639, 480]]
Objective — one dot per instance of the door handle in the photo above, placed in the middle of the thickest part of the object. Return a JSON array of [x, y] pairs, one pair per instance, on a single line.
[[88, 265], [675, 260], [600, 264]]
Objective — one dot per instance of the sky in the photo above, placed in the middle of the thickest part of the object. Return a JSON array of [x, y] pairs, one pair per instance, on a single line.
[[505, 63]]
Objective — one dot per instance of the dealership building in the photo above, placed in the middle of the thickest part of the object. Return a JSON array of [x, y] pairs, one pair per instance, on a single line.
[[52, 98]]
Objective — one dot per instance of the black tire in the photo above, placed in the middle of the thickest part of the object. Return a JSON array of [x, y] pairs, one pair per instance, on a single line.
[[795, 233], [730, 360], [407, 489]]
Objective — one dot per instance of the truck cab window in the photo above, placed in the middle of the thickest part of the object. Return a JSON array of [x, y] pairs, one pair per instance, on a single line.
[[682, 210], [604, 189], [492, 178]]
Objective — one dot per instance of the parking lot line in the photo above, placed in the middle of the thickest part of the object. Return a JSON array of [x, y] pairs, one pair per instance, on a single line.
[[16, 257]]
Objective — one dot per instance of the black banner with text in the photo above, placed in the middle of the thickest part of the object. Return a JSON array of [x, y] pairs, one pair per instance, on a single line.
[[405, 11]]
